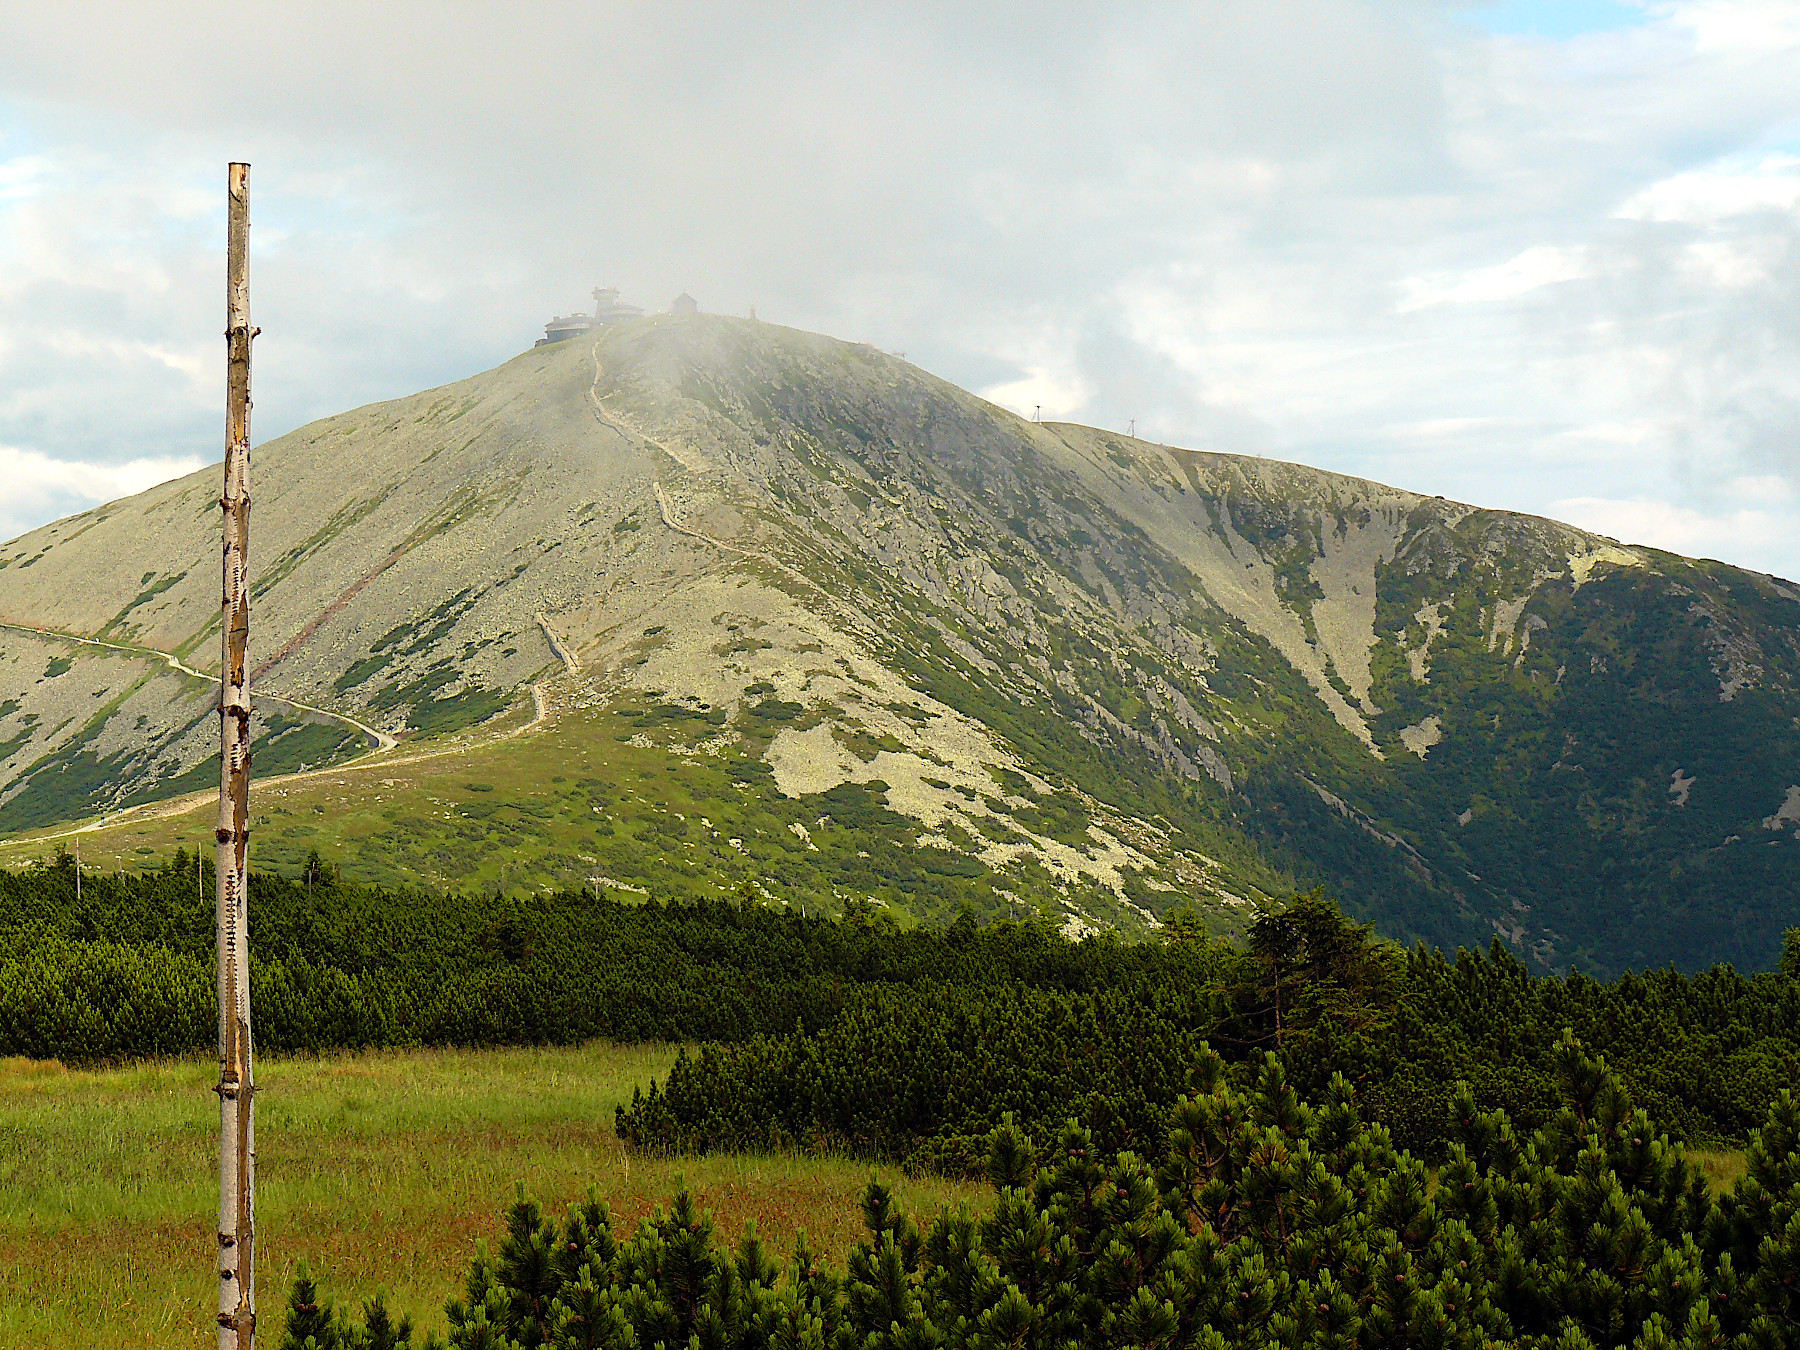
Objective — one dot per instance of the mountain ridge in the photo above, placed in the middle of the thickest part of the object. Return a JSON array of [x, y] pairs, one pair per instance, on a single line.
[[1111, 674]]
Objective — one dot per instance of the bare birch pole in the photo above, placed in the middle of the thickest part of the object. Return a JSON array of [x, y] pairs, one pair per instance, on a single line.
[[237, 1085]]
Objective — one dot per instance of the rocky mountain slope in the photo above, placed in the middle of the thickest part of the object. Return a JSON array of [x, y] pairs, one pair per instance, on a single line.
[[888, 640]]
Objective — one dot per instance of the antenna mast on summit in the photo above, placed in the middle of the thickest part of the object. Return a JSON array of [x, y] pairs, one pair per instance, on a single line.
[[237, 1085]]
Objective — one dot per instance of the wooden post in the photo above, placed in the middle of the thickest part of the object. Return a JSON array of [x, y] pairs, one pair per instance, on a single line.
[[237, 1084]]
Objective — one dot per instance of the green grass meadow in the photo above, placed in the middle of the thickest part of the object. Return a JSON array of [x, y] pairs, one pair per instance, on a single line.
[[380, 1169]]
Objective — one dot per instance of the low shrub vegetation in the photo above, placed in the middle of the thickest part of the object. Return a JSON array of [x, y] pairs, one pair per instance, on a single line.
[[850, 1034], [1258, 1222]]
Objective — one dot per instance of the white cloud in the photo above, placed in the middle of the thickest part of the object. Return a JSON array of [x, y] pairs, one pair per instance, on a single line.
[[22, 177], [1364, 235], [111, 350], [1704, 197], [39, 488], [1042, 392], [27, 471], [1754, 27], [1742, 534], [1539, 266], [1051, 383]]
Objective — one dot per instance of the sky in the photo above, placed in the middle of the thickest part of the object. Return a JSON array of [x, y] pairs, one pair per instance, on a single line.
[[1536, 256]]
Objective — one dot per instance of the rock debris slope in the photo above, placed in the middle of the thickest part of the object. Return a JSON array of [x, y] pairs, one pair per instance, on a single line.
[[1107, 675]]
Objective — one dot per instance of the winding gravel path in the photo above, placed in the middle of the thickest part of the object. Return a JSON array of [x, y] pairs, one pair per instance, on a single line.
[[382, 740]]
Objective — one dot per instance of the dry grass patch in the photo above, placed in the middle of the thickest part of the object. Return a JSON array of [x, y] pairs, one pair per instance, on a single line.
[[1724, 1168]]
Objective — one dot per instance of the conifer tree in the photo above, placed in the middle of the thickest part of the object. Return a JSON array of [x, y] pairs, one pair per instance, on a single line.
[[379, 1330], [311, 1324], [1265, 1223], [1756, 1231], [531, 1270], [816, 1306], [478, 1320], [1011, 1160], [586, 1315]]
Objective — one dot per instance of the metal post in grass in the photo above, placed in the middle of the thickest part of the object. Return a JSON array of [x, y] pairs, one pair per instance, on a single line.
[[237, 1085]]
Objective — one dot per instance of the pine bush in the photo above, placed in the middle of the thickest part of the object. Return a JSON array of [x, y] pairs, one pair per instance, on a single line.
[[854, 1036], [1262, 1221]]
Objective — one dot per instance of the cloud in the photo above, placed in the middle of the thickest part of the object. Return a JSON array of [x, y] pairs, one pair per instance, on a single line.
[[1042, 392], [40, 488], [19, 178], [1711, 196], [1682, 529], [1529, 267], [1543, 265]]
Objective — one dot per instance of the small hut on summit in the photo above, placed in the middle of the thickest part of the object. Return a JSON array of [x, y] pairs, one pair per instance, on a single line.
[[684, 304]]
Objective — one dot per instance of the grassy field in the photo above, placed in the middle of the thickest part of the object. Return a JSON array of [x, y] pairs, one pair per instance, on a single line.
[[380, 1169], [1723, 1167]]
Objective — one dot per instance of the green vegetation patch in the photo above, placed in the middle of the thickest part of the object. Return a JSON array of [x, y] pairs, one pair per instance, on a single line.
[[360, 671], [144, 596], [776, 711], [441, 716], [75, 782]]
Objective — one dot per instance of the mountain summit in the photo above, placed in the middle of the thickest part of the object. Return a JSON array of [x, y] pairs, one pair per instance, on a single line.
[[883, 640]]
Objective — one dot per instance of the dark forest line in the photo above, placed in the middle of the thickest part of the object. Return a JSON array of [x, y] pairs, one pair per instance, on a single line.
[[852, 1033]]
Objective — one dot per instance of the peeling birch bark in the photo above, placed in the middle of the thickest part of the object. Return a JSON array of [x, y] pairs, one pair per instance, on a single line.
[[237, 1085]]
